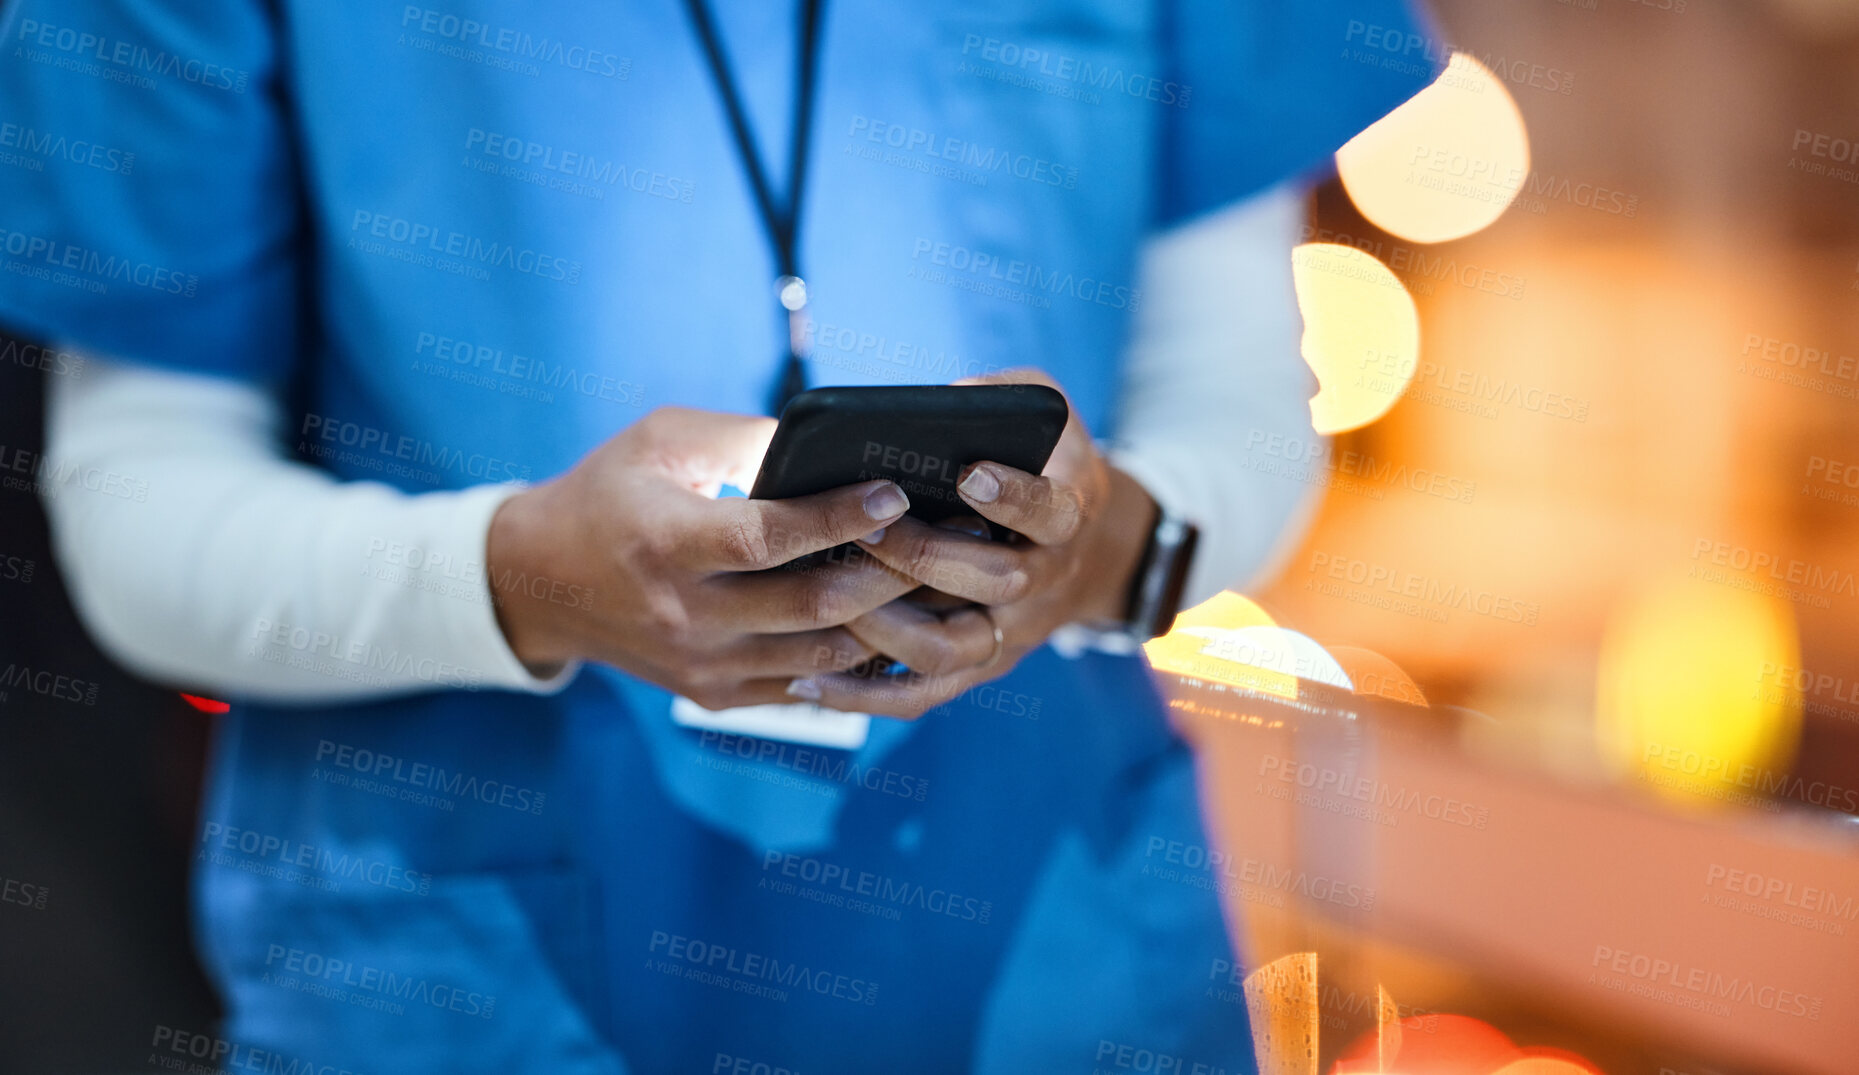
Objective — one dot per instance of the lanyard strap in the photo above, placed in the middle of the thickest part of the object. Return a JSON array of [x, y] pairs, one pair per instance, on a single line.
[[781, 224]]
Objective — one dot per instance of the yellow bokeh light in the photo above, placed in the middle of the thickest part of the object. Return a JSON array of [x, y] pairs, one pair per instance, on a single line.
[[1446, 163], [1361, 334], [1688, 701], [1228, 639], [1543, 1065]]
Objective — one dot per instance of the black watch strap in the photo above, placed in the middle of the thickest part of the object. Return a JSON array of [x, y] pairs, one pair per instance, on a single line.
[[1161, 576]]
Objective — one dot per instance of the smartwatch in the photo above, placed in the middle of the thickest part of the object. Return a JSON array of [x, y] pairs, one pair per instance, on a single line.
[[1161, 577]]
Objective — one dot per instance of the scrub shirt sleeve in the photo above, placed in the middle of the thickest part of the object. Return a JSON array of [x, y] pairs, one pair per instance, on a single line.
[[1273, 88], [148, 203]]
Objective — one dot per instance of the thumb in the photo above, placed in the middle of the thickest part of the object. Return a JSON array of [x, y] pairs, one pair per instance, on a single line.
[[705, 449]]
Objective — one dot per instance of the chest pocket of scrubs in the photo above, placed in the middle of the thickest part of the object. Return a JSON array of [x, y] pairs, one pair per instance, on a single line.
[[484, 972], [1036, 115]]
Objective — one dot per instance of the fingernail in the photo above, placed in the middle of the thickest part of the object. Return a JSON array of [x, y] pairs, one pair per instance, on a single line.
[[804, 688], [981, 485], [886, 502], [875, 536]]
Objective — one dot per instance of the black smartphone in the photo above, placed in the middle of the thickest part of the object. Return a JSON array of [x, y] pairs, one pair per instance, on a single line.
[[919, 436]]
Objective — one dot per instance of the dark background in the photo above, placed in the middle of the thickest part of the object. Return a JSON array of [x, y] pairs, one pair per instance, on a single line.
[[97, 808]]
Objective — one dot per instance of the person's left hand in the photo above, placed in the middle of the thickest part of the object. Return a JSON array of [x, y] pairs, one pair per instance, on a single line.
[[1082, 526]]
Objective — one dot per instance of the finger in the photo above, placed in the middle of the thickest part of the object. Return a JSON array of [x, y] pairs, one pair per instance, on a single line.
[[741, 693], [906, 696], [753, 535], [703, 449], [984, 572], [925, 642], [803, 653], [1045, 511], [805, 598]]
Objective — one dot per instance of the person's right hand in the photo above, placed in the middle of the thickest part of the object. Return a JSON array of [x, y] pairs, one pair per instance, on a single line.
[[680, 596]]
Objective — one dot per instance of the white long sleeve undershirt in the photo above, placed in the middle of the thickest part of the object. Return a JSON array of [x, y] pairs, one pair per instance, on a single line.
[[244, 572]]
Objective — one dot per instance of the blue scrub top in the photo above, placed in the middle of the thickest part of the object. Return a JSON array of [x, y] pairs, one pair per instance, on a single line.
[[469, 243]]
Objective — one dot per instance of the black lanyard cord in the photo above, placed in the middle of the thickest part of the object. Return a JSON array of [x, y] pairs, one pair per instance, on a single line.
[[781, 225]]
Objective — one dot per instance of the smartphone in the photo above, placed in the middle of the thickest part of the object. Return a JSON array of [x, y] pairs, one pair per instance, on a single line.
[[919, 436]]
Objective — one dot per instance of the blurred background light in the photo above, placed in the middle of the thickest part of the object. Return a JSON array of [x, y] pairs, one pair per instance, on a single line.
[[1281, 999], [1445, 164], [1361, 334], [1690, 702], [1371, 673], [1228, 639]]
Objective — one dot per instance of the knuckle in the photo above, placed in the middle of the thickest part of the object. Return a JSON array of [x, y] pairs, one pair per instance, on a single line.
[[744, 541], [1068, 519], [940, 655], [667, 618], [711, 696], [819, 604], [923, 563], [1013, 586]]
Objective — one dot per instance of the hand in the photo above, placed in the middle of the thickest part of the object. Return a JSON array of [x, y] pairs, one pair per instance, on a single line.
[[680, 592], [1082, 527]]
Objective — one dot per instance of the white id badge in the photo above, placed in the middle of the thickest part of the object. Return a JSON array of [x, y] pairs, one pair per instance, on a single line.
[[802, 723]]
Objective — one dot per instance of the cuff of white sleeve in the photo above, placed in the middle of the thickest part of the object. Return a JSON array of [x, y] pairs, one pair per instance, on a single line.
[[474, 636]]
